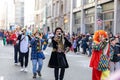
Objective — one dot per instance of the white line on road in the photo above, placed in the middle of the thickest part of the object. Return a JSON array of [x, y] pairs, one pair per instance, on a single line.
[[1, 78]]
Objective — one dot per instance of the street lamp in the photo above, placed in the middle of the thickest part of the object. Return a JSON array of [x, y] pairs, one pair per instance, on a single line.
[[99, 9], [99, 17], [99, 12]]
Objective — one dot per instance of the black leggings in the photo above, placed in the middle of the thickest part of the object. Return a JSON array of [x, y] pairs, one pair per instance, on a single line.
[[22, 56], [56, 73], [16, 54]]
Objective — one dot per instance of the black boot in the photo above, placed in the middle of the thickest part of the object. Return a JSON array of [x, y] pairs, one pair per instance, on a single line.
[[39, 74], [34, 75], [61, 79]]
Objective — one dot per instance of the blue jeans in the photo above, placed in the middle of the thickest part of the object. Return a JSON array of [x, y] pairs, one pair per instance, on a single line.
[[37, 65], [90, 51]]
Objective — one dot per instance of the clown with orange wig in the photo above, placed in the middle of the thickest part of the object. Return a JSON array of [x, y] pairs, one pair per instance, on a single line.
[[100, 55]]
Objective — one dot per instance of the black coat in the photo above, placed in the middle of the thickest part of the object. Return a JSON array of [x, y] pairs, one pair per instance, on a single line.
[[116, 51], [58, 59]]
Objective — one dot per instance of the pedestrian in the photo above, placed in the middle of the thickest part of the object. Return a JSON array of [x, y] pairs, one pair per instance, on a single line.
[[24, 50], [90, 46], [58, 58], [84, 44], [16, 48], [37, 55], [78, 43], [75, 45], [115, 55], [100, 55], [4, 40]]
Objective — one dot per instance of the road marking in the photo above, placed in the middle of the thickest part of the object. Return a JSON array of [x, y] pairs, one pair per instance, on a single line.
[[1, 78]]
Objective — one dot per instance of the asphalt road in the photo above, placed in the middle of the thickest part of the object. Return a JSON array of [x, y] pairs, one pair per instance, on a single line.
[[78, 70]]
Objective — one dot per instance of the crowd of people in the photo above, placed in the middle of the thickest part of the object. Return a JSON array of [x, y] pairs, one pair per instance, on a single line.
[[61, 43], [22, 42]]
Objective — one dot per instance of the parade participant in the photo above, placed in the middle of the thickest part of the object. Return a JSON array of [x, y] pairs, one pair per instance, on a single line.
[[16, 48], [37, 55], [115, 55], [100, 55], [24, 49], [58, 58]]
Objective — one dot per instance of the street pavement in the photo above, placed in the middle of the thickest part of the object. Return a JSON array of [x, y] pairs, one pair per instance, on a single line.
[[78, 67]]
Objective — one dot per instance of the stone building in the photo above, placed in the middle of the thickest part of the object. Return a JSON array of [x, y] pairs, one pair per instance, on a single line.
[[79, 16]]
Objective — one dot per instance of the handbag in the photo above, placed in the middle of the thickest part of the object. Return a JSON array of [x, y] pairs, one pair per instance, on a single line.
[[41, 55]]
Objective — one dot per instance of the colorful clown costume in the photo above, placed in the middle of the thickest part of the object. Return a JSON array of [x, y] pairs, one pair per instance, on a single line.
[[100, 56]]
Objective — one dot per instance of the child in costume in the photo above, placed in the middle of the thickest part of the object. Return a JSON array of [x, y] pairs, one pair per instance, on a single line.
[[100, 55]]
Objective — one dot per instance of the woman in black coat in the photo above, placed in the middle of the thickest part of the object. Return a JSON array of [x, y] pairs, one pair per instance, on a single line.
[[58, 58]]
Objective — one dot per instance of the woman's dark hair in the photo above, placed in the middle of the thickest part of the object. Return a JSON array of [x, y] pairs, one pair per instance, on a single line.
[[58, 29]]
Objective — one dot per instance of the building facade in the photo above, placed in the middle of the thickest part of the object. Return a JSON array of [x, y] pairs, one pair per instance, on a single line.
[[29, 12], [3, 15], [86, 17], [61, 14], [19, 12], [80, 16], [41, 15], [52, 14]]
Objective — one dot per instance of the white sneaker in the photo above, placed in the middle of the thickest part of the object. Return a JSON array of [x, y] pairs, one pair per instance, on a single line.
[[22, 69], [15, 64], [25, 70], [18, 64]]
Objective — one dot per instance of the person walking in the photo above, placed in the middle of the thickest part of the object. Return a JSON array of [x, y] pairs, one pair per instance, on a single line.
[[90, 42], [78, 43], [24, 50], [75, 45], [84, 44], [58, 58], [100, 55], [115, 55], [37, 55], [16, 48]]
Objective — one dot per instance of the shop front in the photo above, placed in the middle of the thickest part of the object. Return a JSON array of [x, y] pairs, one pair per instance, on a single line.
[[89, 20], [108, 17], [77, 22]]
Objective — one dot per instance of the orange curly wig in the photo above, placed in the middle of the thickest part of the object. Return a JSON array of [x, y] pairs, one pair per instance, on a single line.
[[97, 34]]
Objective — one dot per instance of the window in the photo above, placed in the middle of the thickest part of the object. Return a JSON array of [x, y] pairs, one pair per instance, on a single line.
[[89, 1], [53, 10], [77, 17], [78, 3], [109, 26], [109, 15], [89, 16], [89, 19], [48, 11], [108, 6]]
